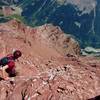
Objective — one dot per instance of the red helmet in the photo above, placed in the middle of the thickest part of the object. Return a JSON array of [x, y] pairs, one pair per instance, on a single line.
[[17, 54]]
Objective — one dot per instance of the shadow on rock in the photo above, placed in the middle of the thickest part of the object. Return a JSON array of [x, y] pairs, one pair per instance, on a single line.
[[95, 98], [1, 79]]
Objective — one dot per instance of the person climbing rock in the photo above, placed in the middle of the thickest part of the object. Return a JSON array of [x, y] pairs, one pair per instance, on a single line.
[[7, 64]]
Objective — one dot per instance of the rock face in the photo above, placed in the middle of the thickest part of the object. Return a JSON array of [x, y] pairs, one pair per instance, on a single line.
[[51, 36], [10, 10], [54, 37], [43, 72], [7, 11]]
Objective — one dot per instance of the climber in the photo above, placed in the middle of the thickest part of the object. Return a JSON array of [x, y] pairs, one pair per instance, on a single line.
[[7, 64]]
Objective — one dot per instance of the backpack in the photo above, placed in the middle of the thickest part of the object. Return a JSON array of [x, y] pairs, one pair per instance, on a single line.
[[4, 61]]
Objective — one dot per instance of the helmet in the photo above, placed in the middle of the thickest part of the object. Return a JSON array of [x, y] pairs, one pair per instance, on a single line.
[[17, 54]]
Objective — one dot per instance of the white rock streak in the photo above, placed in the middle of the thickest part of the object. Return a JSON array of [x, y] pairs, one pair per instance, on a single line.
[[93, 21]]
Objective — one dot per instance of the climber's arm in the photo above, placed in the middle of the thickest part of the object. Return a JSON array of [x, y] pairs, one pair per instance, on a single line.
[[3, 72]]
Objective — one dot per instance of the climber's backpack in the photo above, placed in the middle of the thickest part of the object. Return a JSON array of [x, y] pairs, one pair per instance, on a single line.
[[4, 61]]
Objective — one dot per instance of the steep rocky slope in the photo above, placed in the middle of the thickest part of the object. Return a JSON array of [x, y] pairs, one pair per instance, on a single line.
[[50, 68]]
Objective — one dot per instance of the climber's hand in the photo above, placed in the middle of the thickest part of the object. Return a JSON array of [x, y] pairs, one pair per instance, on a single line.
[[6, 78]]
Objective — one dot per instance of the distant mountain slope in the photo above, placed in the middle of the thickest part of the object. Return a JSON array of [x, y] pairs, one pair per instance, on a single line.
[[8, 2]]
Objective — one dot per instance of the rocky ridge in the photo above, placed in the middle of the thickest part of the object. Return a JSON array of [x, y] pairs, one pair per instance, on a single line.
[[50, 68]]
